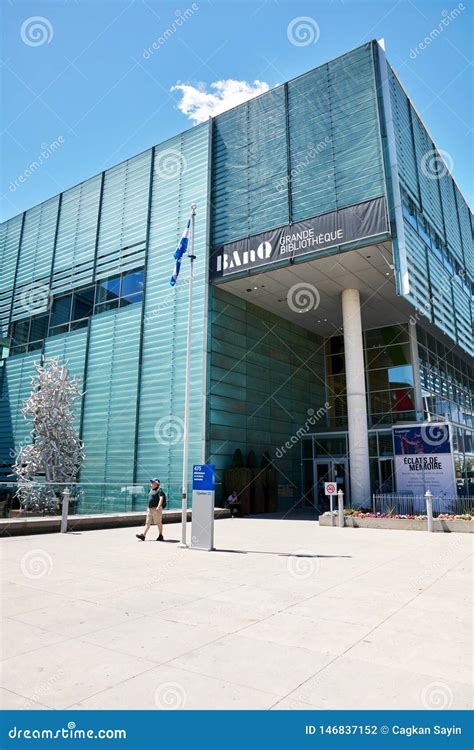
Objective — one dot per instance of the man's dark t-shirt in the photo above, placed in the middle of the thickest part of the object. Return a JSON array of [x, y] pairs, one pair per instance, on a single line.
[[154, 497]]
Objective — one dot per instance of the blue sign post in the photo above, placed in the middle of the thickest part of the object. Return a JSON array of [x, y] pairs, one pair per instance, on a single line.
[[204, 477], [204, 482]]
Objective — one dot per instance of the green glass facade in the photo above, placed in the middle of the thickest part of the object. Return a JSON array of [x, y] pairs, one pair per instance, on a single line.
[[265, 383], [437, 224], [89, 273], [309, 147], [85, 277]]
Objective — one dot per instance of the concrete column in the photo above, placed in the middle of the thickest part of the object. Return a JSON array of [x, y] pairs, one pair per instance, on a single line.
[[356, 402], [415, 363]]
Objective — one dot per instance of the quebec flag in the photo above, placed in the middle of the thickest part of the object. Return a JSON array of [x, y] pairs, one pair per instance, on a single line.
[[179, 252]]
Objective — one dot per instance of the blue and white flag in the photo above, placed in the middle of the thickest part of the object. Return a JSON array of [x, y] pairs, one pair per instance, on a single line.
[[179, 252]]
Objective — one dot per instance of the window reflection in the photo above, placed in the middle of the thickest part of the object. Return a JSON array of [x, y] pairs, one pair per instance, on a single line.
[[388, 356], [20, 332], [39, 327], [61, 310], [108, 290], [70, 312], [83, 305], [132, 286]]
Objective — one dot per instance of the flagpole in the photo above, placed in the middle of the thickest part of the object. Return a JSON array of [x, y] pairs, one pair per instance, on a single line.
[[184, 496]]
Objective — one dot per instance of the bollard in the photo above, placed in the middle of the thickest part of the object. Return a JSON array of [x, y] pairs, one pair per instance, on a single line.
[[429, 509], [64, 511], [340, 508]]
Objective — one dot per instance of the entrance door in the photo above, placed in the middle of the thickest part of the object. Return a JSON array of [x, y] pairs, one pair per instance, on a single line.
[[330, 470], [386, 477], [322, 473], [340, 476]]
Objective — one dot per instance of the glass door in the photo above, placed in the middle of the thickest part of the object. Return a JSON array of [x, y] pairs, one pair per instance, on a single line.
[[322, 473], [386, 477], [330, 470], [341, 478]]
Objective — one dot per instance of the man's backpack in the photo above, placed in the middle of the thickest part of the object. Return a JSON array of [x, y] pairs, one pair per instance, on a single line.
[[163, 496]]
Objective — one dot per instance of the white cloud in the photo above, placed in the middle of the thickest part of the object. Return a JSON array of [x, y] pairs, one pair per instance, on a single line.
[[198, 104]]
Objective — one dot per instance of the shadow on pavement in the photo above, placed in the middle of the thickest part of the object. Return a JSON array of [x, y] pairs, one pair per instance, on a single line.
[[279, 554]]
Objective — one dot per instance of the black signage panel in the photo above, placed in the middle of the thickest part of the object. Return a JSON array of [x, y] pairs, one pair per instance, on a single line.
[[329, 230]]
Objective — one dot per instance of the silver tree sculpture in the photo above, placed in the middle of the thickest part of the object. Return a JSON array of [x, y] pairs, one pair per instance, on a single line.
[[55, 452]]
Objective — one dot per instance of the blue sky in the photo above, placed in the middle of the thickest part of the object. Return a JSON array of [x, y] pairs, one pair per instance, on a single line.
[[80, 76]]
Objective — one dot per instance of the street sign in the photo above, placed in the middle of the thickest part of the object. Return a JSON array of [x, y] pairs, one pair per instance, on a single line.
[[330, 488], [204, 482]]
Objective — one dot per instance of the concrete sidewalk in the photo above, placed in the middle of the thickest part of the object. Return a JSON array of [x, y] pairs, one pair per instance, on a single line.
[[284, 615]]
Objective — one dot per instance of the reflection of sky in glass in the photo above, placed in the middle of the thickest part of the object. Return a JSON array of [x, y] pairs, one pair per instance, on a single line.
[[400, 375], [109, 289], [132, 283]]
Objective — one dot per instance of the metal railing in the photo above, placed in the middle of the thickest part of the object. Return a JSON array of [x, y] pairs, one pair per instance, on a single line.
[[409, 505]]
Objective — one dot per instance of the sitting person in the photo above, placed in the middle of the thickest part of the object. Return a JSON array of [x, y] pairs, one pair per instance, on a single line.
[[233, 504]]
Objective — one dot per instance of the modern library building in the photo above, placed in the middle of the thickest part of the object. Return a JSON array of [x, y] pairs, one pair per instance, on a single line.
[[332, 298]]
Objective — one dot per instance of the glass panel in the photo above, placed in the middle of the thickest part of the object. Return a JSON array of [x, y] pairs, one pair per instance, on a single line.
[[380, 402], [131, 299], [380, 380], [421, 336], [389, 356], [423, 229], [107, 305], [400, 375], [335, 364], [335, 345], [35, 345], [20, 332], [383, 419], [39, 327], [132, 284], [79, 324], [386, 476], [307, 448], [330, 446], [339, 475], [61, 310], [323, 474], [336, 384], [59, 329], [468, 442], [374, 474], [308, 480], [83, 304], [403, 416], [373, 445], [377, 337], [107, 290], [385, 444], [337, 407], [402, 400], [410, 214]]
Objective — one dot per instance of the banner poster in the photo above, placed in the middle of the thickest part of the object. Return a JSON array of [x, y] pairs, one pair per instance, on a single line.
[[424, 460]]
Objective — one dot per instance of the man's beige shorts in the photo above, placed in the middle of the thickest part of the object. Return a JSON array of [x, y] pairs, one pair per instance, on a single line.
[[154, 515]]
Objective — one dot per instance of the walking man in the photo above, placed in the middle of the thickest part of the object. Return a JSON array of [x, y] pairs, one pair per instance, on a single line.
[[156, 503]]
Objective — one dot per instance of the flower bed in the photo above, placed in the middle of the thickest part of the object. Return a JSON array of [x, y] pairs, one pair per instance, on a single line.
[[410, 517], [365, 519]]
